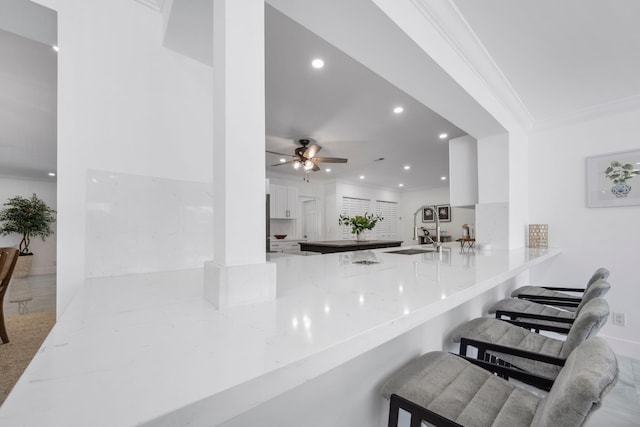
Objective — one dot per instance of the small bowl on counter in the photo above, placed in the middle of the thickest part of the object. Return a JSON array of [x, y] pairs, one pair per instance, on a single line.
[[279, 236]]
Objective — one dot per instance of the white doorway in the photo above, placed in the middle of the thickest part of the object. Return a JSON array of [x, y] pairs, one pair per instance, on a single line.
[[310, 225]]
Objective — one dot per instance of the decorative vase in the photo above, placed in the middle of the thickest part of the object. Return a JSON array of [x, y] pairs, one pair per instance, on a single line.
[[358, 237], [621, 189], [23, 266], [538, 235]]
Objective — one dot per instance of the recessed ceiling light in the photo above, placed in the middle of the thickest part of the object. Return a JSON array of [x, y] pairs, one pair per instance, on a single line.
[[55, 48], [398, 110], [52, 174], [283, 160], [361, 176], [400, 185], [443, 135], [317, 63], [444, 178], [327, 170], [407, 167]]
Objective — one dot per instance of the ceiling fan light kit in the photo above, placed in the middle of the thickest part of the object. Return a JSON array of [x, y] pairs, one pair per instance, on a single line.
[[305, 157]]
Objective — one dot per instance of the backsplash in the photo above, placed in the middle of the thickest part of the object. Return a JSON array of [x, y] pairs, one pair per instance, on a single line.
[[284, 226], [139, 224]]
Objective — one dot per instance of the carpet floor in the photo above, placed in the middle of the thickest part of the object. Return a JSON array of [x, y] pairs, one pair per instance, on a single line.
[[26, 334]]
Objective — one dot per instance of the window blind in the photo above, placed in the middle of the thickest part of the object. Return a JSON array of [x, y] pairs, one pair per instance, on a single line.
[[388, 228], [352, 206]]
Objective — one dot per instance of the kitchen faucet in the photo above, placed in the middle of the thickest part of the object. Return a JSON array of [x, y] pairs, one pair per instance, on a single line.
[[436, 243]]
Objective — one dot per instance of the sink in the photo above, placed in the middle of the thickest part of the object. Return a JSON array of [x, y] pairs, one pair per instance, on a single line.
[[411, 251]]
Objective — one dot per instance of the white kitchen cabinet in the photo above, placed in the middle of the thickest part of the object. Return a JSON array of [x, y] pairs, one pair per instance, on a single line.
[[284, 202], [286, 246]]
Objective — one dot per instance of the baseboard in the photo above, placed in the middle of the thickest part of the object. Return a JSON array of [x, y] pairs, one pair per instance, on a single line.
[[623, 347]]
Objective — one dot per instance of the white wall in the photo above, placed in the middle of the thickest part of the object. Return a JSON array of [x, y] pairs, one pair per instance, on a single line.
[[126, 105], [410, 201], [44, 260], [589, 237], [344, 189], [463, 171], [518, 180], [331, 194], [493, 169]]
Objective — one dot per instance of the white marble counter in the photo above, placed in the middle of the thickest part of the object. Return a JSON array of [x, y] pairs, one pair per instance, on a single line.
[[130, 349]]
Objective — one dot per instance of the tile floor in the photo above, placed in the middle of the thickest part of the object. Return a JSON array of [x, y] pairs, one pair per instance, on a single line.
[[620, 408]]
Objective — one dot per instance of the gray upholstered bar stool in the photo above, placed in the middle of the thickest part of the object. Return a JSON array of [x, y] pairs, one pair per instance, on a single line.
[[536, 313], [557, 295], [530, 351], [447, 390]]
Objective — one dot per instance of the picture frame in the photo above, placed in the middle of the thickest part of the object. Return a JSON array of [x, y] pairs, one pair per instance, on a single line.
[[613, 179], [444, 213], [428, 215]]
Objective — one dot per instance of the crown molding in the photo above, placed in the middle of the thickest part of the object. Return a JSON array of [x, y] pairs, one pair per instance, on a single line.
[[156, 5], [609, 108], [447, 19]]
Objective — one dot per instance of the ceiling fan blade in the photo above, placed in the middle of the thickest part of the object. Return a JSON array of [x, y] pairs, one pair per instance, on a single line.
[[315, 167], [279, 154], [311, 151], [329, 160], [283, 163]]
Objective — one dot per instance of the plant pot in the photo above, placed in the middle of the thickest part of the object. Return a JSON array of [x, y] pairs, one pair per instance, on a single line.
[[23, 266], [621, 189]]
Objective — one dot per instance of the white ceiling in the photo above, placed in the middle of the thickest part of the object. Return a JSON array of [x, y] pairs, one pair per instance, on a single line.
[[566, 60], [563, 60], [348, 110]]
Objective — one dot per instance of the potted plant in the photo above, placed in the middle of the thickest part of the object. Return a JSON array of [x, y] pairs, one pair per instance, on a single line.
[[359, 223], [29, 217], [619, 173]]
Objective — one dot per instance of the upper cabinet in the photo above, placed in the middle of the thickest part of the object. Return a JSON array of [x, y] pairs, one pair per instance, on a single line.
[[284, 202]]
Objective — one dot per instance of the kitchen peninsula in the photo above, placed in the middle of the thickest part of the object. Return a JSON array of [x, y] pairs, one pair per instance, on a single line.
[[333, 246], [149, 350]]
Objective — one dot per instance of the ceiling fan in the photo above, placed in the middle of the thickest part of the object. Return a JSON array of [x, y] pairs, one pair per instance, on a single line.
[[305, 157]]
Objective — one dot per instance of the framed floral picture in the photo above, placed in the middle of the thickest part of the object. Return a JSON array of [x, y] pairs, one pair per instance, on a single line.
[[428, 215], [444, 212], [613, 179]]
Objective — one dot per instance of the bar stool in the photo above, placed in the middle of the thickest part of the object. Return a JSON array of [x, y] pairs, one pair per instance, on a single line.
[[447, 390], [507, 342], [557, 295], [536, 313]]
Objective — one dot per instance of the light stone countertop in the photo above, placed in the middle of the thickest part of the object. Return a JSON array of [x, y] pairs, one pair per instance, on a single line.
[[130, 349]]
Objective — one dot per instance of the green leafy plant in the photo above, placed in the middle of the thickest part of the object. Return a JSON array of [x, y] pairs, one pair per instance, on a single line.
[[28, 217], [359, 223], [617, 172]]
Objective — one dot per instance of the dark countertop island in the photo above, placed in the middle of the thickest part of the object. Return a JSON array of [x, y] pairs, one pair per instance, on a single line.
[[332, 246]]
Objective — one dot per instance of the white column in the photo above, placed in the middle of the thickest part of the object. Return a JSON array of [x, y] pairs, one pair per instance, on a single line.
[[463, 171], [238, 273]]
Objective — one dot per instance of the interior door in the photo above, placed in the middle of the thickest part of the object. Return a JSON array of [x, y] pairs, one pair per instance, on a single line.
[[311, 220]]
